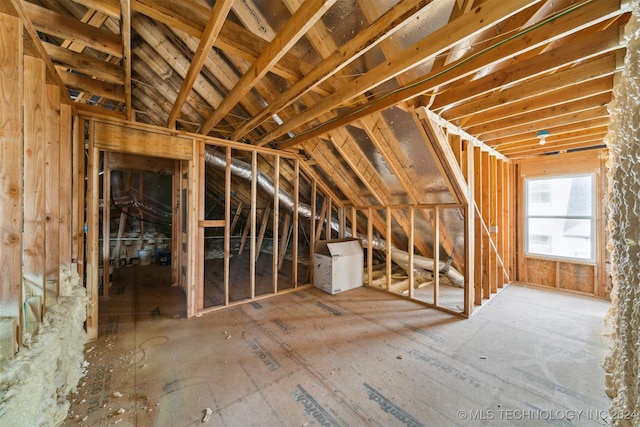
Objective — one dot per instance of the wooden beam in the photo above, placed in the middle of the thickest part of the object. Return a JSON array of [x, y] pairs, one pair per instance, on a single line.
[[565, 79], [34, 244], [113, 137], [492, 220], [93, 86], [53, 187], [66, 184], [55, 24], [520, 72], [291, 32], [125, 32], [106, 227], [11, 168], [438, 145], [108, 7], [585, 111], [363, 41], [227, 224], [93, 214], [582, 15], [488, 14], [85, 64], [211, 31], [555, 98], [478, 263]]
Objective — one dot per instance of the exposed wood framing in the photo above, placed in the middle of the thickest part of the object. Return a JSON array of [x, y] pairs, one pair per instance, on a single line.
[[34, 234], [211, 31], [11, 169], [296, 27]]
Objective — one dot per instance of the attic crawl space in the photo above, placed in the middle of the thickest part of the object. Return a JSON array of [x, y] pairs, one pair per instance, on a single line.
[[449, 150]]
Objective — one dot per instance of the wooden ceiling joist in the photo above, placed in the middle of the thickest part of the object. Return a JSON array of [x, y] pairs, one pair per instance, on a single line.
[[211, 31], [85, 64], [292, 31], [360, 44], [58, 25], [488, 14]]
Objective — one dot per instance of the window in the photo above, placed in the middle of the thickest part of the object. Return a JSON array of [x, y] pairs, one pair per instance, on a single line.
[[560, 217]]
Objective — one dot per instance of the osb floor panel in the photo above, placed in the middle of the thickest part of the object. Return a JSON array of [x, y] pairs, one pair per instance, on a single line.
[[359, 358]]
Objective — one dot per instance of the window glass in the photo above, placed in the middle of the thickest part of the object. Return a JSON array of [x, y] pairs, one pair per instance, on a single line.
[[560, 217]]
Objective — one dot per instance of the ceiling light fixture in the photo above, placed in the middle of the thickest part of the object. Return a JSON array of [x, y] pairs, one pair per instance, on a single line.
[[542, 135]]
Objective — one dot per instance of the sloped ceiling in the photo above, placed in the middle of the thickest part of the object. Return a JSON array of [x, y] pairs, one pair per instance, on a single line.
[[337, 80]]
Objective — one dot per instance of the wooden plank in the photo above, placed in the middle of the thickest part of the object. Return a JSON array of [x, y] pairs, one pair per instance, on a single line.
[[78, 187], [227, 224], [388, 260], [477, 228], [11, 168], [133, 162], [361, 43], [581, 16], [511, 221], [500, 219], [441, 150], [520, 72], [321, 220], [199, 211], [113, 137], [194, 258], [276, 222], [125, 33], [66, 184], [85, 64], [93, 86], [254, 195], [456, 148], [284, 240], [291, 32], [214, 25], [423, 50], [436, 256], [493, 223], [93, 213], [589, 70], [55, 24], [369, 245], [106, 228], [236, 217], [176, 224], [410, 247], [296, 221], [485, 211], [53, 186], [469, 231], [34, 201]]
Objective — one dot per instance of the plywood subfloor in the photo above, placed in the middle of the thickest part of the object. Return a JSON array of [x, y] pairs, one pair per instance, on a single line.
[[359, 358]]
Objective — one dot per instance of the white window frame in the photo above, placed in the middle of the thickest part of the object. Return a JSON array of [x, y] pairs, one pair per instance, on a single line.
[[592, 218]]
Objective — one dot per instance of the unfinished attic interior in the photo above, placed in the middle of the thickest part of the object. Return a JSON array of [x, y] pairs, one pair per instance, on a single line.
[[451, 184]]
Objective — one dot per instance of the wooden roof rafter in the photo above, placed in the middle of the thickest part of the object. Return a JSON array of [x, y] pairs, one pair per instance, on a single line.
[[295, 28], [211, 31], [437, 42]]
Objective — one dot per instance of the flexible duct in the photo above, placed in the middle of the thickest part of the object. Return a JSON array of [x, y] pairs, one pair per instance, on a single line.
[[243, 170]]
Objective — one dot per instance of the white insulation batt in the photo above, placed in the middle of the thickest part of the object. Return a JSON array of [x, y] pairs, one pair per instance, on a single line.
[[35, 384], [623, 362]]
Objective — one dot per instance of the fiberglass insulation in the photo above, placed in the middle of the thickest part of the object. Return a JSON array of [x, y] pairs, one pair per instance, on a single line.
[[34, 385]]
